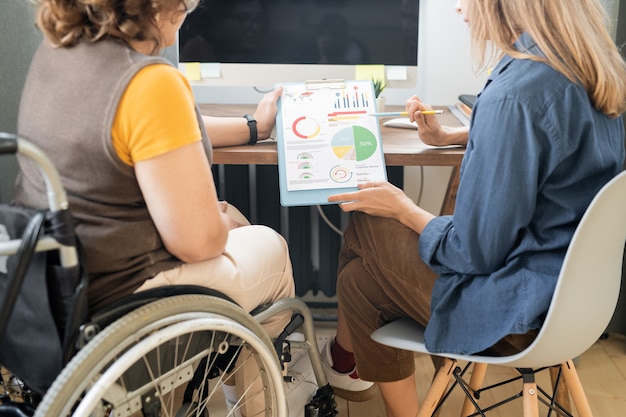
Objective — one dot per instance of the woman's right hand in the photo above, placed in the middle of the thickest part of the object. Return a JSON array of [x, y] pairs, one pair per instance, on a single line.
[[232, 217], [265, 114], [430, 131]]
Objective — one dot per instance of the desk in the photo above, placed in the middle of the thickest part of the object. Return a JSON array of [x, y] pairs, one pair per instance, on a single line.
[[399, 146]]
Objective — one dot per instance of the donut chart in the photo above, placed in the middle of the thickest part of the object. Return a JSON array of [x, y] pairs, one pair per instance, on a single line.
[[354, 142], [340, 174], [305, 127]]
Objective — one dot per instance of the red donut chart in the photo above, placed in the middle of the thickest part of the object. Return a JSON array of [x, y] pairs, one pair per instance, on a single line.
[[305, 127]]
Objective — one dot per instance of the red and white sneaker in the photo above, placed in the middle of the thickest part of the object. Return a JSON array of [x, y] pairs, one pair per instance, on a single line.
[[345, 385]]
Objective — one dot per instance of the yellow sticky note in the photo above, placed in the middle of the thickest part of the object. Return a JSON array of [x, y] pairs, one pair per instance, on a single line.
[[370, 72], [192, 71]]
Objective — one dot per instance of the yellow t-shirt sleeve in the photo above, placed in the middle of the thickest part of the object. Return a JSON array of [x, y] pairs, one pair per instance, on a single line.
[[156, 115]]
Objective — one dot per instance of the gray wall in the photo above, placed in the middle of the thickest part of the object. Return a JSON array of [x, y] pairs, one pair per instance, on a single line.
[[19, 39]]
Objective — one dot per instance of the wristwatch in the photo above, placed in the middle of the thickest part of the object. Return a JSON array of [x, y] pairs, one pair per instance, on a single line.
[[252, 126]]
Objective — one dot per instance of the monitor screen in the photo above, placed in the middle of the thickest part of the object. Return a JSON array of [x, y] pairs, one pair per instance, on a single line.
[[292, 40]]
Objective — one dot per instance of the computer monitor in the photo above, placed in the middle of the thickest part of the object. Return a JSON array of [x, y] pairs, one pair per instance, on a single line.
[[263, 42]]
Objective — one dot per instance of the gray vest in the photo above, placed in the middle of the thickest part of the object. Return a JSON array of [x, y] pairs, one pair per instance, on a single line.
[[68, 106]]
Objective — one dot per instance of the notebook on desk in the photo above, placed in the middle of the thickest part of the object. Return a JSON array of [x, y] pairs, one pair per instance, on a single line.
[[327, 142]]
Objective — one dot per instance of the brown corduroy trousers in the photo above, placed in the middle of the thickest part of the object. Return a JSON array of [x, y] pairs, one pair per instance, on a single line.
[[381, 277]]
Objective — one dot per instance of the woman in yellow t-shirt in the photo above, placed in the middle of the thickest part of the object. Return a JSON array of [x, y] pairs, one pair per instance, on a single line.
[[153, 169]]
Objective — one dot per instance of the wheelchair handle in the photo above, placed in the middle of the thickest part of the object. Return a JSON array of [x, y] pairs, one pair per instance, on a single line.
[[8, 143], [57, 198], [12, 144]]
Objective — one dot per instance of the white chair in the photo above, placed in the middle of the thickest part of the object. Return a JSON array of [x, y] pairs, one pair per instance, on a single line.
[[583, 303]]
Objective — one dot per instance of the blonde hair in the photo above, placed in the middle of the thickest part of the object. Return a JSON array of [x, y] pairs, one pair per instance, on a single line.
[[66, 22], [571, 34]]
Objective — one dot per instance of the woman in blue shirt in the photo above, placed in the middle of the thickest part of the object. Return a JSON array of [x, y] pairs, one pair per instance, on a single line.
[[545, 136]]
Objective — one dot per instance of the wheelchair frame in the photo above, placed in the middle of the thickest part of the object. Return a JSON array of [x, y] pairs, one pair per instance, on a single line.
[[158, 349]]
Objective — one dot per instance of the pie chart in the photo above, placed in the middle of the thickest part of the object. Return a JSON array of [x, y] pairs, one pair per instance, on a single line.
[[354, 142]]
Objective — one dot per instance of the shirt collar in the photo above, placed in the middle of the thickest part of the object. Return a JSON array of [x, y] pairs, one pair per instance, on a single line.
[[523, 44]]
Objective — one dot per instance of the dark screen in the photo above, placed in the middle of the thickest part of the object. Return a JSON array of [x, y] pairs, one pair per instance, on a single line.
[[346, 32]]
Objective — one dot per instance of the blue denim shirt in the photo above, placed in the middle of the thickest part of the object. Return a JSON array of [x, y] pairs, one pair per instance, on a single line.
[[538, 152]]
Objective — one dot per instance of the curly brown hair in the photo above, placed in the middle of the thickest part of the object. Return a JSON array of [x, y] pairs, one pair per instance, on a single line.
[[66, 22]]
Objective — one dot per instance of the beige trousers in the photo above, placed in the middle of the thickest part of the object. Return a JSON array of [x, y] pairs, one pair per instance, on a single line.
[[254, 269]]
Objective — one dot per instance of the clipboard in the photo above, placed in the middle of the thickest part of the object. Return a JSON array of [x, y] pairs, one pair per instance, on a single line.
[[327, 142]]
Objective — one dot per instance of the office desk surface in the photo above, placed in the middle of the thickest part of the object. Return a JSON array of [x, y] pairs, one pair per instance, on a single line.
[[400, 145]]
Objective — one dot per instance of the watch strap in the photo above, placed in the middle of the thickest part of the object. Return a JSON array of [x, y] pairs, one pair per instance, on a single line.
[[253, 131]]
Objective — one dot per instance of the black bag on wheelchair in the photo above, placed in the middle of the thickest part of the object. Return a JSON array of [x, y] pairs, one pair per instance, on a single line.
[[42, 302]]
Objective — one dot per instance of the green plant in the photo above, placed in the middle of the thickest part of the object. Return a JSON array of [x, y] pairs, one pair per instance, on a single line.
[[379, 86]]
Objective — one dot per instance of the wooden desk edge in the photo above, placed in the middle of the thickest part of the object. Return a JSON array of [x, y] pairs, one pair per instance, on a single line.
[[263, 153]]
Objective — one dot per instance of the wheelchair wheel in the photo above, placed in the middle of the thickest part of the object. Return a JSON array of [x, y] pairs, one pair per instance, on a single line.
[[171, 358]]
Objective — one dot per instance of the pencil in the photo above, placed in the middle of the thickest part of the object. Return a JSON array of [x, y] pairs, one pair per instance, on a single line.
[[403, 113]]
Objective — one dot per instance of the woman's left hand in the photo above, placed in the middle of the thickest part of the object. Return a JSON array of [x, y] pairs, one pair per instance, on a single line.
[[383, 199], [377, 198]]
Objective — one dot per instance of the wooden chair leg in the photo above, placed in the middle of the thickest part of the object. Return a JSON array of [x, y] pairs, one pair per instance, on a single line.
[[530, 395], [560, 393], [576, 389], [476, 381], [437, 388]]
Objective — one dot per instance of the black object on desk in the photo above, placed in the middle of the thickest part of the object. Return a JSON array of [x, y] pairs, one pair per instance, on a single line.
[[468, 99]]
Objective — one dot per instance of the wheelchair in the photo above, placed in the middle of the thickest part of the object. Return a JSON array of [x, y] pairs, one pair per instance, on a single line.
[[172, 351]]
